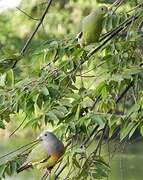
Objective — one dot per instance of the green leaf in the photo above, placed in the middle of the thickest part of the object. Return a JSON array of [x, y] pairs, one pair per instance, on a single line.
[[13, 166], [10, 78], [76, 163], [31, 122], [141, 130], [133, 130], [2, 169], [59, 114], [52, 116], [77, 112], [133, 109], [54, 92], [2, 125], [126, 130], [98, 119]]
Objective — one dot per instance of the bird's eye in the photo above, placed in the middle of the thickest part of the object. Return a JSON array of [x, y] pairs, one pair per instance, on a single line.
[[45, 134], [102, 9]]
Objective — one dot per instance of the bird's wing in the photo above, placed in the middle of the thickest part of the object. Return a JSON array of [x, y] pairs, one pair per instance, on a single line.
[[49, 162], [37, 155]]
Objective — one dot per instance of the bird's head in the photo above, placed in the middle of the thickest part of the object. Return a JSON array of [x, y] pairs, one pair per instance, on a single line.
[[102, 10], [46, 135]]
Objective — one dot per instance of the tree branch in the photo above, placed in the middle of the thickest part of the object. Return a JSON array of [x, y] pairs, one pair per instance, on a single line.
[[35, 31]]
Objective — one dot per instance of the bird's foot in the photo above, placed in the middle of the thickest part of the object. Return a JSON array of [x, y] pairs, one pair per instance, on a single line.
[[47, 171]]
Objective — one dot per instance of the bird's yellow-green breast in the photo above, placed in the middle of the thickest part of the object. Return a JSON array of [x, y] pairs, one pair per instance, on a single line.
[[38, 154], [92, 26]]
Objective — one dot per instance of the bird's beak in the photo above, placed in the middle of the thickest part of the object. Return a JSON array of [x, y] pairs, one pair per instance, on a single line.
[[39, 138], [109, 12]]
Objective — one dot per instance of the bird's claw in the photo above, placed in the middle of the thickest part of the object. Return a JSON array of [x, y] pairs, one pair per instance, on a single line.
[[47, 171]]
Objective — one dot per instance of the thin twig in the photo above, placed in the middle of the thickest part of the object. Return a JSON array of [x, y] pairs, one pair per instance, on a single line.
[[18, 149], [95, 102], [27, 14], [44, 177], [35, 31], [18, 127], [116, 3], [29, 148], [92, 133], [60, 171], [104, 36], [124, 92], [140, 5]]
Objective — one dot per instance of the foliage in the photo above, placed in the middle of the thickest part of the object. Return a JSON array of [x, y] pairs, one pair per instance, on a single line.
[[56, 84]]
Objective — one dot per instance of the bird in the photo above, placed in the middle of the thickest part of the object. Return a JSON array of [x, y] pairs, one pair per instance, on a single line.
[[46, 154], [91, 26], [7, 62]]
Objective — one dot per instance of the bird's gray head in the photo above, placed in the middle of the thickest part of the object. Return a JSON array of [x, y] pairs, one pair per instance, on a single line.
[[46, 136], [51, 143]]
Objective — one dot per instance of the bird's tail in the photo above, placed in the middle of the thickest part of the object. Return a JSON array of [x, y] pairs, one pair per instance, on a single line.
[[23, 167]]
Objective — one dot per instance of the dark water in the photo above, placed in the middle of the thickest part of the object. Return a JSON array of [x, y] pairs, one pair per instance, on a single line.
[[126, 164]]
